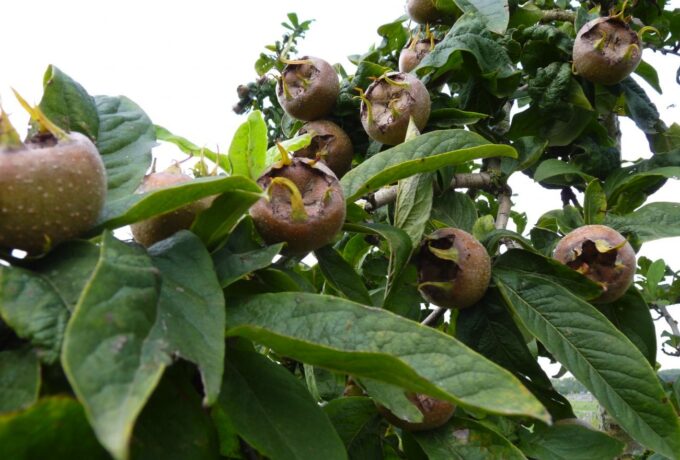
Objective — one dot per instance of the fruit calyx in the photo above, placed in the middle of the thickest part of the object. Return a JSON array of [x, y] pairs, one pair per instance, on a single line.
[[330, 144], [308, 88]]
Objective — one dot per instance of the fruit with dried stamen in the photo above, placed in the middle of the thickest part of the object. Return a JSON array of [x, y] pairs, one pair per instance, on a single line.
[[454, 269], [388, 104], [308, 88], [305, 208], [603, 255], [330, 144], [410, 57]]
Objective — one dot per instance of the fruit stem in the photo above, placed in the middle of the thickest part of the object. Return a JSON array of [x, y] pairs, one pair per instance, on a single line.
[[297, 206], [369, 106], [9, 137], [37, 115]]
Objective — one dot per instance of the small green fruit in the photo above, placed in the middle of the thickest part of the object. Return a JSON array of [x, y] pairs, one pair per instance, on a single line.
[[454, 269], [50, 191], [157, 228]]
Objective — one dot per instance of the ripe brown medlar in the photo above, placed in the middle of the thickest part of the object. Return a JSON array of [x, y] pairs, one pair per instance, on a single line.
[[330, 144], [606, 50], [435, 413], [388, 104], [410, 57], [603, 255], [308, 88], [425, 11], [305, 208], [157, 228], [454, 269]]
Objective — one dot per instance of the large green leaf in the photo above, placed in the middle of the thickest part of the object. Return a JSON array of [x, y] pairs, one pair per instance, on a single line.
[[414, 204], [573, 331], [631, 315], [67, 104], [425, 153], [358, 423], [188, 147], [495, 14], [174, 425], [136, 207], [489, 329], [344, 336], [568, 442], [231, 266], [594, 203], [54, 428], [249, 147], [639, 107], [107, 355], [273, 412], [454, 209], [36, 302], [341, 276], [191, 307], [553, 171], [651, 222], [125, 139], [465, 439], [19, 379]]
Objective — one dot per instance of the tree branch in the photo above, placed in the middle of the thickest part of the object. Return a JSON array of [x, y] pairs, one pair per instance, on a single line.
[[504, 208], [434, 316], [558, 15]]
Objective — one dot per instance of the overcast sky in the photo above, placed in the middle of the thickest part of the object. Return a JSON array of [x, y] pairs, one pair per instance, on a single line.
[[182, 61]]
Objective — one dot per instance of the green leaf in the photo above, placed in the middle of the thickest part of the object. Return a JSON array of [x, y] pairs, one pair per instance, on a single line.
[[568, 442], [466, 439], [249, 146], [30, 305], [291, 145], [19, 380], [651, 222], [142, 206], [341, 276], [215, 223], [495, 14], [452, 117], [490, 330], [231, 266], [425, 153], [594, 204], [358, 423], [54, 428], [188, 147], [344, 336], [639, 107], [125, 139], [619, 376], [393, 398], [273, 412], [530, 150], [67, 104], [191, 307], [630, 314], [649, 74], [398, 242], [629, 188], [173, 424], [454, 209], [108, 357], [413, 205], [558, 172]]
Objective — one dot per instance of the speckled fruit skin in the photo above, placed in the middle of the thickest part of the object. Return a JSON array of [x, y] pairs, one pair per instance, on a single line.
[[410, 57], [412, 101], [435, 413], [157, 228], [50, 192], [606, 65], [470, 280], [615, 280], [334, 140], [422, 11], [314, 99], [323, 200]]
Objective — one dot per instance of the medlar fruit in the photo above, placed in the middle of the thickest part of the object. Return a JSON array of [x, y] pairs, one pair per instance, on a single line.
[[157, 228], [425, 11], [603, 255], [435, 413], [606, 50], [306, 206], [410, 57], [308, 88], [330, 144], [454, 268], [388, 104]]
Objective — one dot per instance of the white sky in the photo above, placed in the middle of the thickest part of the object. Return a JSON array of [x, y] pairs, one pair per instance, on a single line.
[[182, 61]]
